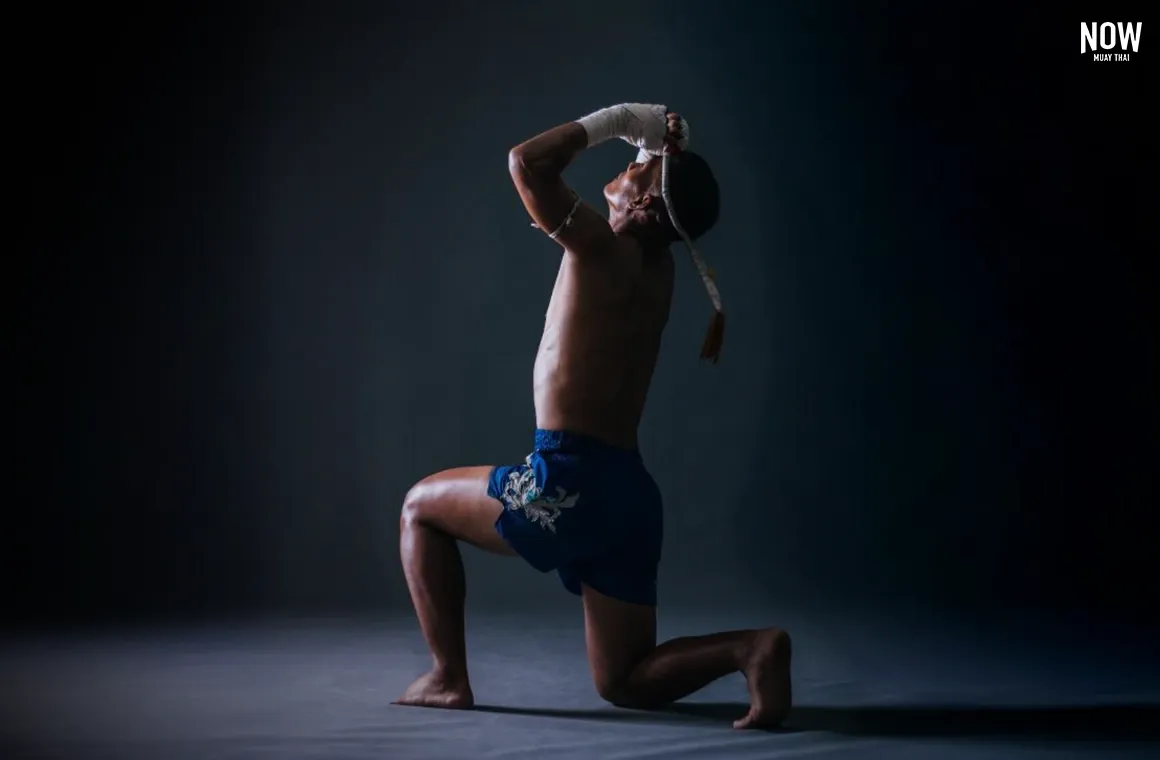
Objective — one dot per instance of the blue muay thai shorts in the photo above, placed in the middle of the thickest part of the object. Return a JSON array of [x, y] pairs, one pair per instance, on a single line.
[[586, 509]]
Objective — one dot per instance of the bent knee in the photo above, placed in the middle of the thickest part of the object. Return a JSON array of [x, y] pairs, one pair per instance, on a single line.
[[416, 505], [618, 692]]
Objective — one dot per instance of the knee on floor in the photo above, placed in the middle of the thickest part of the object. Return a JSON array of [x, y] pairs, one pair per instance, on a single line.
[[618, 691]]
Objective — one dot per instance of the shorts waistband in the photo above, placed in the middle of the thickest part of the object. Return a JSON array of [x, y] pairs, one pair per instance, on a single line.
[[567, 442]]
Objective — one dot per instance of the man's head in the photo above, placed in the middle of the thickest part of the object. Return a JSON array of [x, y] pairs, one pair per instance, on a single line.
[[635, 201]]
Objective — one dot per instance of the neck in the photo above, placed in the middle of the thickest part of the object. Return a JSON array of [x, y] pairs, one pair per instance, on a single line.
[[648, 236], [620, 224]]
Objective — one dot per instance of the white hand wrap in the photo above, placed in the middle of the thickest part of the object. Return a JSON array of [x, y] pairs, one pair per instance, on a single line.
[[644, 155], [639, 124]]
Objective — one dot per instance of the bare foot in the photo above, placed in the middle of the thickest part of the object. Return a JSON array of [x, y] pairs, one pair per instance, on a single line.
[[767, 673], [438, 689]]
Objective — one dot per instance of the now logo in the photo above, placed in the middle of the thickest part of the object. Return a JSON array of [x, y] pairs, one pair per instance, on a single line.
[[1095, 36]]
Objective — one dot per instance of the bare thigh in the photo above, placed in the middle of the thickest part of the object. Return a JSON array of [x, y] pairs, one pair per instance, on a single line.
[[455, 502], [618, 635]]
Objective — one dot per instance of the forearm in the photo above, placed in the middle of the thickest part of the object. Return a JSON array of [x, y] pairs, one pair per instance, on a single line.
[[549, 153]]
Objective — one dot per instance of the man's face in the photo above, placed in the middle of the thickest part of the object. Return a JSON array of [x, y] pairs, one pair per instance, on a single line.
[[633, 183]]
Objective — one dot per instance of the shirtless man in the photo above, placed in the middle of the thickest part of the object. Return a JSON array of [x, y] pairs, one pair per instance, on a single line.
[[583, 503]]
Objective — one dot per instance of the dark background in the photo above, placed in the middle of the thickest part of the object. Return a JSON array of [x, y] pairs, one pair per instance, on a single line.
[[269, 270]]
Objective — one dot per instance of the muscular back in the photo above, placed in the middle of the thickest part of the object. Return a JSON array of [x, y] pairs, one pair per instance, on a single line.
[[602, 335]]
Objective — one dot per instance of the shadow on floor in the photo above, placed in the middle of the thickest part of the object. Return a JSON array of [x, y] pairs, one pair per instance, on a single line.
[[1094, 723]]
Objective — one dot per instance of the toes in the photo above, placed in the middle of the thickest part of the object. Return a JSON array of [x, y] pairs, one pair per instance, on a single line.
[[445, 700], [757, 719]]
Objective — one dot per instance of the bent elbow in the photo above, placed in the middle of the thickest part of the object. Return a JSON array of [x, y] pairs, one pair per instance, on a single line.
[[517, 163]]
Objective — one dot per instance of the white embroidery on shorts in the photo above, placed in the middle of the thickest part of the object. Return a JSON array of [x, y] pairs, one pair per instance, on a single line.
[[521, 492]]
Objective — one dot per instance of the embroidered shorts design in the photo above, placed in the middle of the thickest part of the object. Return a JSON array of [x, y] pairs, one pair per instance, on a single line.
[[585, 509]]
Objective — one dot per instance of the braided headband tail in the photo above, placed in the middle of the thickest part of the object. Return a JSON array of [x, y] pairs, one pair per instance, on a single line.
[[711, 348]]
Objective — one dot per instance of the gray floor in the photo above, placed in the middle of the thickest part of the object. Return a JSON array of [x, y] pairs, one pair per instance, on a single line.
[[322, 690]]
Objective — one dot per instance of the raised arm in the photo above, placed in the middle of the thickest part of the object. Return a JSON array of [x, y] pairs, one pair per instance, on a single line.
[[537, 166]]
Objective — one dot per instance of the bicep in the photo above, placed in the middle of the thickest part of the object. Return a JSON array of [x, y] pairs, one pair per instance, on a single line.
[[554, 207]]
